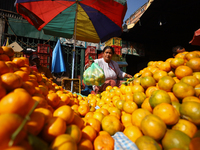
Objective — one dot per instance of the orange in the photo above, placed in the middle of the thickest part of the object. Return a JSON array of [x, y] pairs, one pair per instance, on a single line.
[[139, 97], [65, 98], [153, 126], [2, 92], [138, 115], [3, 68], [147, 81], [181, 55], [190, 111], [46, 112], [175, 139], [36, 123], [197, 90], [194, 143], [8, 51], [53, 99], [41, 101], [65, 112], [191, 98], [165, 66], [104, 142], [183, 71], [137, 88], [191, 55], [158, 97], [194, 64], [89, 132], [63, 141], [128, 89], [147, 143], [83, 109], [78, 121], [4, 57], [15, 148], [197, 75], [159, 74], [1, 50], [53, 128], [104, 111], [186, 127], [173, 97], [129, 107], [176, 105], [117, 92], [111, 124], [89, 115], [108, 88], [75, 132], [182, 90], [177, 62], [18, 101], [147, 73], [133, 133], [123, 88], [150, 90], [26, 60], [119, 104], [166, 83], [24, 75], [29, 87], [167, 113], [10, 81], [129, 97], [136, 81], [85, 144], [8, 124], [126, 119], [19, 62], [146, 105], [96, 124], [191, 80], [99, 116]]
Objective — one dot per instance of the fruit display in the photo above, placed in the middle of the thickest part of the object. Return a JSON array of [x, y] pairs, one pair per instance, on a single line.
[[158, 109], [94, 75]]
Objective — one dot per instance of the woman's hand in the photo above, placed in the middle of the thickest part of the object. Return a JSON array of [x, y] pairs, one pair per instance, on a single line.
[[128, 76]]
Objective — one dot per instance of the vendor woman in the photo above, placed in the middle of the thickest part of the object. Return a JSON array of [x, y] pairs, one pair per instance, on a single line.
[[111, 70]]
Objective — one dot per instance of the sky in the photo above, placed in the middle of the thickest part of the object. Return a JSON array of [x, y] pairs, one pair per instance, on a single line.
[[133, 5]]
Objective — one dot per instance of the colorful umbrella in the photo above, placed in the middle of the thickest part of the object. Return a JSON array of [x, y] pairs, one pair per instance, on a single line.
[[86, 20], [196, 38]]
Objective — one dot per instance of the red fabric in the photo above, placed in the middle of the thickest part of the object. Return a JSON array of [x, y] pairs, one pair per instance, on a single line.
[[104, 6], [196, 38], [99, 89], [41, 9], [34, 68]]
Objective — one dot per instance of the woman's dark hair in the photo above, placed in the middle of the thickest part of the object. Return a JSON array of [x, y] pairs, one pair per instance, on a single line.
[[174, 49], [109, 47]]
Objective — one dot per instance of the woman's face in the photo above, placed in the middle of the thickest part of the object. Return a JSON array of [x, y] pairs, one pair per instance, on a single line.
[[107, 55]]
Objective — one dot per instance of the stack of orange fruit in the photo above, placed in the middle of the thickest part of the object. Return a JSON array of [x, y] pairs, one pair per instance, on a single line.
[[158, 110]]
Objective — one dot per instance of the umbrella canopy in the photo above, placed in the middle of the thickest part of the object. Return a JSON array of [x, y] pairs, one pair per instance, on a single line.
[[97, 20], [196, 38]]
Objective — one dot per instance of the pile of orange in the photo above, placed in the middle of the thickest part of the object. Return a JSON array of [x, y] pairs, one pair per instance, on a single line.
[[159, 109]]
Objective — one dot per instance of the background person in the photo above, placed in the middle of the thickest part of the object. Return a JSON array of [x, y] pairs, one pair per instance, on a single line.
[[35, 60], [111, 69], [177, 49]]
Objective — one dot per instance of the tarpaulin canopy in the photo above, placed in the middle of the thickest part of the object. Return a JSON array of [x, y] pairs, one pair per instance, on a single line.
[[25, 29]]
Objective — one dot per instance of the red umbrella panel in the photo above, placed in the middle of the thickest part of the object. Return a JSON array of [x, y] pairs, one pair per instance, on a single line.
[[196, 38]]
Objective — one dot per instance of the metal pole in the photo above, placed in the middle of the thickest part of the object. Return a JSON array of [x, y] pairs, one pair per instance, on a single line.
[[74, 45]]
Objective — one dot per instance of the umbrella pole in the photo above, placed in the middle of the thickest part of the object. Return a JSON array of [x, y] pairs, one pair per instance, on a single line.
[[73, 60]]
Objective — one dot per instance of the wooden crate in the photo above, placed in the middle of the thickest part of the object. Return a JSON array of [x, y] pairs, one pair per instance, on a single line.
[[66, 83], [18, 54]]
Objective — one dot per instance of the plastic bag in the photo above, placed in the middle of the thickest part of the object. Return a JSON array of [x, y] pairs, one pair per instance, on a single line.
[[94, 75]]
